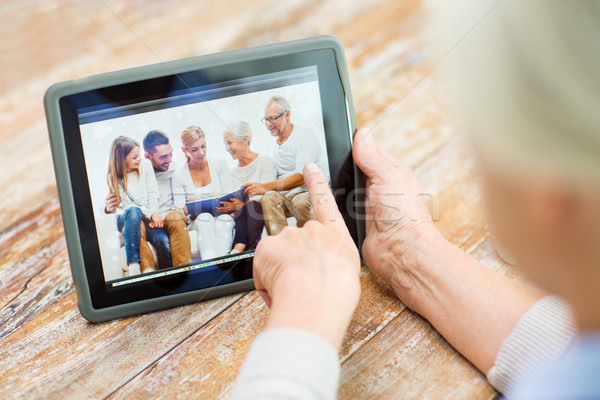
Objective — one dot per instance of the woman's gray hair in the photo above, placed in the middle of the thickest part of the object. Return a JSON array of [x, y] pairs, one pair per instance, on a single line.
[[240, 130], [281, 102], [527, 80]]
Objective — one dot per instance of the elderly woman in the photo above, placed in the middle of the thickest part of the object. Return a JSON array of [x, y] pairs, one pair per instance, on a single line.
[[530, 92], [251, 167], [200, 178]]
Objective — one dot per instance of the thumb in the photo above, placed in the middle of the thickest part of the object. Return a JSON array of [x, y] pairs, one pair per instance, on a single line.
[[367, 156]]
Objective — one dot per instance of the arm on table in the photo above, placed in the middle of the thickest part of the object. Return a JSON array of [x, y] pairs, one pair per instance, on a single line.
[[475, 308]]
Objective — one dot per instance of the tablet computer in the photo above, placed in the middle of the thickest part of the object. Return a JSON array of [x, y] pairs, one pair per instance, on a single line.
[[132, 147]]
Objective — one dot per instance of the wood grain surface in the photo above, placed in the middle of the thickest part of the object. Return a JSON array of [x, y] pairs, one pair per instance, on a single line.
[[47, 349]]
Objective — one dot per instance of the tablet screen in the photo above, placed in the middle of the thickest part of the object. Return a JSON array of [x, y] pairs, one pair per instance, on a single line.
[[235, 145], [171, 175]]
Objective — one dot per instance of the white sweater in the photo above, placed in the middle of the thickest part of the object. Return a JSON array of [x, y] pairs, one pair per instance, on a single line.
[[142, 190], [164, 180], [261, 170], [184, 189]]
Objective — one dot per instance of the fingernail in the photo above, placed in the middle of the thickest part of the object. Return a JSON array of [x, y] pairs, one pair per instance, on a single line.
[[367, 137]]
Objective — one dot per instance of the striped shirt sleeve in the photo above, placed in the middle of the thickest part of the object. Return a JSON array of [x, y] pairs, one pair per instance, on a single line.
[[537, 341]]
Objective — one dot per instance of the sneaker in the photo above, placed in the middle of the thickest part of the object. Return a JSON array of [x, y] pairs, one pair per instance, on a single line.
[[134, 269]]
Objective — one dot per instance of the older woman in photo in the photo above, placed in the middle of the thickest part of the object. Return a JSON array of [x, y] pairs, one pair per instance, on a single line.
[[252, 167], [200, 178], [134, 198]]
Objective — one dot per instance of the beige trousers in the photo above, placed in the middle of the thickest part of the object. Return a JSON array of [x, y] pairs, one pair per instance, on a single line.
[[179, 238], [277, 207]]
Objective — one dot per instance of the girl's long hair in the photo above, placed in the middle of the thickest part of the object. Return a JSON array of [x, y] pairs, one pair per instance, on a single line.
[[121, 146], [190, 135]]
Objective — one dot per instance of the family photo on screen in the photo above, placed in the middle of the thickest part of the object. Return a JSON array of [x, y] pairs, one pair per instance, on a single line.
[[203, 192]]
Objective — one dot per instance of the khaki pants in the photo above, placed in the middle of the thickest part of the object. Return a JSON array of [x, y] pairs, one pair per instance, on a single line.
[[277, 207], [179, 238]]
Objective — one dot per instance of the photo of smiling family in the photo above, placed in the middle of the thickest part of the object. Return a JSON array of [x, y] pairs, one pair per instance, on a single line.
[[175, 196]]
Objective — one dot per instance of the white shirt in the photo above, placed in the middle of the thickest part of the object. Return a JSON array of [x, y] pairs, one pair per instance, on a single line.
[[261, 170], [164, 180], [184, 189], [142, 190], [300, 148]]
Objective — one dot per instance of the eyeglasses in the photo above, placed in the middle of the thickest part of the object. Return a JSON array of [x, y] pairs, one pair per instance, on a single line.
[[272, 119]]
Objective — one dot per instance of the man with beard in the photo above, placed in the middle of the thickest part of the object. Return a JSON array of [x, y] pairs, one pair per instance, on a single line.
[[160, 153]]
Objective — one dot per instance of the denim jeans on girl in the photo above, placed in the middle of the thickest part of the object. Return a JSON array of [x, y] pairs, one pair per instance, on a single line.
[[129, 223]]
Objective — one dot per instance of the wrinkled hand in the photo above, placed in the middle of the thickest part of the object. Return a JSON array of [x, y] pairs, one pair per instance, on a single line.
[[398, 220], [230, 206], [254, 188], [111, 203], [156, 221], [309, 276]]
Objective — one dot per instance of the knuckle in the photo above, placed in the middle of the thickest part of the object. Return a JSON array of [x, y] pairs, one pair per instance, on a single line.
[[286, 231], [313, 225]]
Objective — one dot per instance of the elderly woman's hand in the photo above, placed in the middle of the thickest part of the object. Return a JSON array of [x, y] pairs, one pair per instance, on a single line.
[[309, 276], [398, 221]]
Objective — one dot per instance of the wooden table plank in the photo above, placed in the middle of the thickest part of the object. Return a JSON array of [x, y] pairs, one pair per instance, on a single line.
[[449, 179], [62, 355], [410, 360], [35, 272]]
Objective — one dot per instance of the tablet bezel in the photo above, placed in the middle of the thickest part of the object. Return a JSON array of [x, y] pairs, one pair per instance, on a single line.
[[96, 301]]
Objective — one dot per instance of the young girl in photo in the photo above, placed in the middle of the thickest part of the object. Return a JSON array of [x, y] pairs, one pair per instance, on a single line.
[[134, 198]]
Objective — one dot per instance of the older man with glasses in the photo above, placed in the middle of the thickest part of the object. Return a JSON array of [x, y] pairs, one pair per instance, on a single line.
[[295, 147]]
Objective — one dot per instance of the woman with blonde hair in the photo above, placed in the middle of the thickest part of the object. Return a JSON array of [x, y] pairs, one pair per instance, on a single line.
[[252, 167], [200, 178], [134, 198]]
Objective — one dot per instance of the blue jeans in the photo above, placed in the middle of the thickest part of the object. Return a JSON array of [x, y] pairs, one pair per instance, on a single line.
[[129, 223]]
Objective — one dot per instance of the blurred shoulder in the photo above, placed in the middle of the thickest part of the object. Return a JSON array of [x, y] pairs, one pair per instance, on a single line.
[[180, 172], [265, 159], [303, 135], [146, 167], [217, 163]]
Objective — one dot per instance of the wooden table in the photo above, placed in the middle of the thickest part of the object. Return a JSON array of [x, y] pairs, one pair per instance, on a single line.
[[47, 349]]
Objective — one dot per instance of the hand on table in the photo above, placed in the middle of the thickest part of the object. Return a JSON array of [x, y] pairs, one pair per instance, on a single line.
[[309, 276]]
